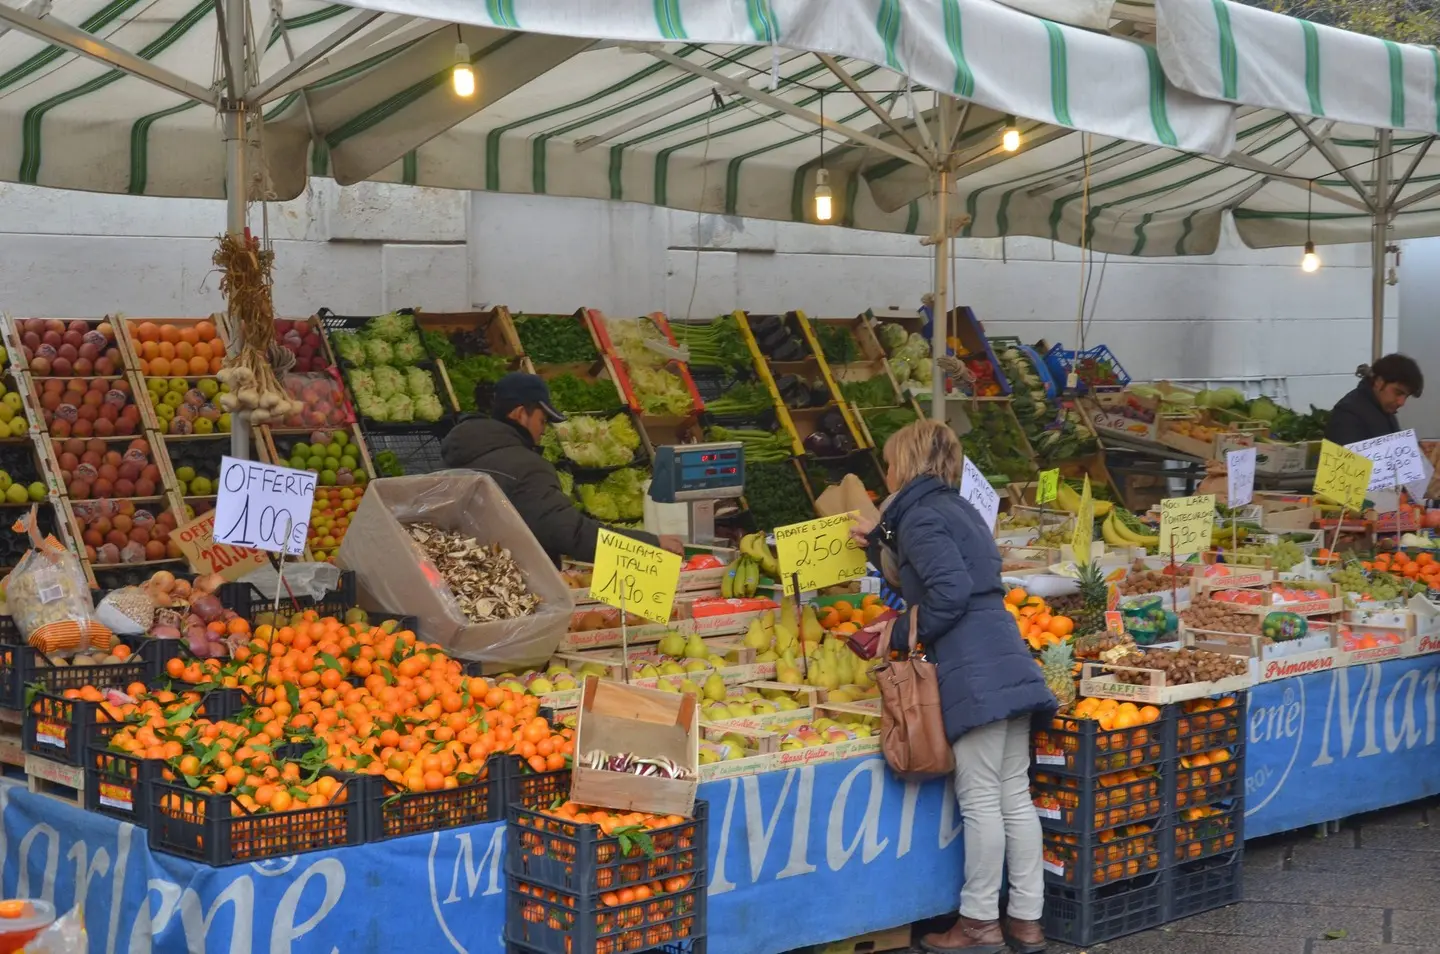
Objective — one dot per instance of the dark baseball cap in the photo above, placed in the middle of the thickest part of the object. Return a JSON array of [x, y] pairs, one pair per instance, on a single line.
[[518, 389]]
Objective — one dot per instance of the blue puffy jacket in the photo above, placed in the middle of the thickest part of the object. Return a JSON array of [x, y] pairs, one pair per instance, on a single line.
[[950, 573]]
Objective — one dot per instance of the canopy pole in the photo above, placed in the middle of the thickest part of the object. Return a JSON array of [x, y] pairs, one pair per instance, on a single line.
[[939, 318], [237, 175], [1378, 237]]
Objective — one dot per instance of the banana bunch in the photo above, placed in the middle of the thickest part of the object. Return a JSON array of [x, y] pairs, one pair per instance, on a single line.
[[1067, 499], [742, 576], [1117, 533]]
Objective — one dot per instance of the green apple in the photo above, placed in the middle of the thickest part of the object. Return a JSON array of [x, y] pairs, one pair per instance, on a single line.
[[18, 426], [203, 425], [6, 412], [5, 481], [224, 423], [200, 486], [186, 474], [209, 387], [13, 399], [179, 386], [37, 491], [17, 494]]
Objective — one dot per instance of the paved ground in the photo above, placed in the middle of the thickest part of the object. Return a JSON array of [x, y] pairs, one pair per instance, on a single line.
[[1373, 888]]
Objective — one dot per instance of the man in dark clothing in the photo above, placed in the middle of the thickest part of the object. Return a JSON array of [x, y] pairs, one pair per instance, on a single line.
[[506, 446], [1369, 410]]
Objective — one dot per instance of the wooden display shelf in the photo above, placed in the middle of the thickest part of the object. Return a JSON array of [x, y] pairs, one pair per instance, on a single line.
[[134, 352], [762, 371], [836, 398]]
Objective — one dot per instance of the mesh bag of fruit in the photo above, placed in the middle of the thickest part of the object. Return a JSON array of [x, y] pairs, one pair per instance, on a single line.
[[49, 596]]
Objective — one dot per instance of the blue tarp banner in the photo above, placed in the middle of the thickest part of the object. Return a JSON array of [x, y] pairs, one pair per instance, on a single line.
[[798, 857]]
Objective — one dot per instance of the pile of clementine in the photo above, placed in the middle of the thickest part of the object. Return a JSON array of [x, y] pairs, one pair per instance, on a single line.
[[1423, 568], [1039, 625], [844, 618], [175, 350]]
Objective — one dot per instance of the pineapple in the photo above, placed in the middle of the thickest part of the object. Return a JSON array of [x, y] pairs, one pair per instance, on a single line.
[[1094, 595], [1055, 662]]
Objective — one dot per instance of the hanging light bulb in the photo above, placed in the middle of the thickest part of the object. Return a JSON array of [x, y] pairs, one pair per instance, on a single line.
[[462, 77], [1310, 262], [1010, 135], [824, 198]]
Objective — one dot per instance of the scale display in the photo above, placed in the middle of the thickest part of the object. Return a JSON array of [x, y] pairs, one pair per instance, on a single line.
[[690, 472]]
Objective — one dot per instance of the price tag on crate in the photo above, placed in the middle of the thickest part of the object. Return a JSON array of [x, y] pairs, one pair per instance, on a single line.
[[635, 576], [821, 552], [1049, 487], [196, 541], [1240, 476], [1343, 476], [1186, 524], [263, 506], [976, 489]]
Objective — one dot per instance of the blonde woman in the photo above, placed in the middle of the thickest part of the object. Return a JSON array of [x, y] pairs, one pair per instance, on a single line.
[[949, 573]]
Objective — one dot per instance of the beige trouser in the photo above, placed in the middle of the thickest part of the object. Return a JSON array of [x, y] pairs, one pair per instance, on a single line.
[[992, 785]]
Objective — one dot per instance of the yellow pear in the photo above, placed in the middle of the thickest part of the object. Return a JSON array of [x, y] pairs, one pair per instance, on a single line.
[[672, 644], [709, 755], [714, 688], [718, 662], [756, 637], [695, 647], [665, 685], [768, 655], [696, 665], [687, 685], [739, 710], [717, 713], [839, 696], [810, 628], [763, 707], [671, 668], [786, 704]]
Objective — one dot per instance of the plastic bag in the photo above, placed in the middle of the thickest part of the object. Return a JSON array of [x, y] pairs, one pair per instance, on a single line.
[[49, 597], [395, 577], [324, 398], [303, 579]]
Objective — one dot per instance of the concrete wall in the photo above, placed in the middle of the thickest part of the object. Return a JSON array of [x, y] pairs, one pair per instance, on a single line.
[[1239, 314], [1420, 330]]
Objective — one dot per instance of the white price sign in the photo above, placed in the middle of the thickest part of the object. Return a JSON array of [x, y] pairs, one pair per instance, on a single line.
[[976, 489], [1240, 467], [263, 506], [1397, 458]]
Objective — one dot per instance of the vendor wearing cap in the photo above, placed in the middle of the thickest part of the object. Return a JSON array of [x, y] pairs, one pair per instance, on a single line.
[[1369, 410], [506, 446]]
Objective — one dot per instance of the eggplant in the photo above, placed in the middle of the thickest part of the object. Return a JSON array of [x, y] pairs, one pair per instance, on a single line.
[[819, 393], [791, 350], [844, 443], [772, 341], [819, 444], [833, 422], [764, 324]]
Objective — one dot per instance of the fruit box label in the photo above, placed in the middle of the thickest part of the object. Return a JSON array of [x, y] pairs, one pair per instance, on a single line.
[[1055, 868], [739, 675], [734, 768], [1048, 758], [1429, 643], [1051, 813], [51, 733], [196, 541], [1306, 607], [117, 796], [767, 719], [1291, 666], [1378, 653]]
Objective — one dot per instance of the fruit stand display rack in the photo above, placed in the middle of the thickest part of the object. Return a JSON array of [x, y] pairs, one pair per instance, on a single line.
[[282, 448], [656, 429], [855, 357]]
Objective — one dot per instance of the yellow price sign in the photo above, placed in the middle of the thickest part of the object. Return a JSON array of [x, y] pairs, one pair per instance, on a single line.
[[1186, 524], [1049, 486], [820, 552], [1084, 524], [634, 576], [1343, 476]]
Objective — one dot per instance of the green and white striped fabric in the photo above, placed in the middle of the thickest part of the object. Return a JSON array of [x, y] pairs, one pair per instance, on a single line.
[[547, 87], [1250, 56]]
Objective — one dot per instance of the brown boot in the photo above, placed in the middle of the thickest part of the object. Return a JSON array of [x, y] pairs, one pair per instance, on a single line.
[[967, 937], [1026, 937]]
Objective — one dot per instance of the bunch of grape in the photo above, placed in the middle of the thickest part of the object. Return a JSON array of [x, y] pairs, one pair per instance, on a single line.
[[1382, 587], [1283, 555]]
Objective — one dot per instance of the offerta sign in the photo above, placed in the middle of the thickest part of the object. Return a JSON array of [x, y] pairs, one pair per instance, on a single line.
[[263, 506]]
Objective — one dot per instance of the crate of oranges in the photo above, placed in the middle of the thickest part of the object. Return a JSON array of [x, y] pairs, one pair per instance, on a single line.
[[1205, 831], [1204, 777], [1114, 799], [648, 917], [1099, 736], [1105, 857], [58, 725], [406, 807], [1202, 725], [117, 780]]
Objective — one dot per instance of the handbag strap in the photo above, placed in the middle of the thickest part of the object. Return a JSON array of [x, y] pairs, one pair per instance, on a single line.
[[914, 630]]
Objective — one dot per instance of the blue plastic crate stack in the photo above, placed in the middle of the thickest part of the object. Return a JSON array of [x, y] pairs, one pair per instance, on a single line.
[[1143, 823], [572, 887]]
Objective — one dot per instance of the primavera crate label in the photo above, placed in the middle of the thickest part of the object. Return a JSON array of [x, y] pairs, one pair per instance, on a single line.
[[51, 733], [113, 795]]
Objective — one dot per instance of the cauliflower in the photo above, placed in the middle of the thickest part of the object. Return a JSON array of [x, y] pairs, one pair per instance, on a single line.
[[428, 409], [388, 381], [391, 327], [349, 347], [418, 382], [378, 352], [400, 408]]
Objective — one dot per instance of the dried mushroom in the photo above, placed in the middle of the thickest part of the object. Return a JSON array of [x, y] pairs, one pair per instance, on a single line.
[[484, 580]]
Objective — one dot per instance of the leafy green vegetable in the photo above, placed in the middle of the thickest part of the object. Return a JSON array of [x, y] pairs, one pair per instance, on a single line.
[[592, 441], [466, 373], [837, 343], [661, 392], [876, 392], [775, 495], [574, 395], [438, 345], [555, 339], [995, 443], [760, 446], [713, 344], [742, 399], [619, 497], [882, 424]]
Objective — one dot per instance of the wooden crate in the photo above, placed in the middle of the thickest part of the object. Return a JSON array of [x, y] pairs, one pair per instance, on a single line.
[[891, 939], [763, 372], [618, 718], [63, 782]]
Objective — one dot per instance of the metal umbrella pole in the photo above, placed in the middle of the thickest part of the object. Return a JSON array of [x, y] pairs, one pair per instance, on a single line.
[[1378, 235], [234, 25], [940, 309]]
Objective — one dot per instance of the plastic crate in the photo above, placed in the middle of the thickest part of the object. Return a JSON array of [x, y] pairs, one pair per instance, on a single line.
[[535, 791], [545, 921], [418, 451], [1208, 831], [1059, 362], [1091, 916], [118, 783], [247, 601], [1204, 725], [694, 945], [23, 665], [1105, 857], [577, 859], [1206, 784], [1200, 886], [1113, 800], [215, 830], [1035, 360], [391, 810], [62, 730], [1080, 748]]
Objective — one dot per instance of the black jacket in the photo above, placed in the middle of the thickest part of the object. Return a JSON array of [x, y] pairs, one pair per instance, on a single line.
[[507, 454], [949, 571], [1359, 417]]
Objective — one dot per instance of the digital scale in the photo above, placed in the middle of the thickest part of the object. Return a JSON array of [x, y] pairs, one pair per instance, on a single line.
[[699, 475]]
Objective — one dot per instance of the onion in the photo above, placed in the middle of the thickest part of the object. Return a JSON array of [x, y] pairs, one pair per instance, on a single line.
[[198, 642], [206, 607], [180, 590], [165, 632], [207, 584], [163, 580]]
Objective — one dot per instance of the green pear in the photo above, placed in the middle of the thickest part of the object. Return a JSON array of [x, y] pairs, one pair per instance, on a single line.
[[672, 644], [708, 755], [839, 696], [538, 687], [787, 672], [810, 629], [714, 688], [671, 668], [595, 669], [718, 662], [717, 713], [687, 685], [740, 710], [666, 686], [695, 648], [786, 704], [763, 707], [697, 665], [768, 655], [647, 671], [756, 637]]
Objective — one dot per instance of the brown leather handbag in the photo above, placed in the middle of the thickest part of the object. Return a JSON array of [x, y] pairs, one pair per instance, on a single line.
[[912, 729]]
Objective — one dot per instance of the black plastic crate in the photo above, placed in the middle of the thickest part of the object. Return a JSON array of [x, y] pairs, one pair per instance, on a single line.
[[546, 921], [417, 451], [1205, 784], [215, 830], [22, 665], [1200, 886], [577, 858], [247, 601], [62, 730], [1091, 916], [1208, 831], [1106, 857], [1080, 748], [695, 945], [1203, 725], [534, 791], [118, 783], [392, 810], [1076, 805]]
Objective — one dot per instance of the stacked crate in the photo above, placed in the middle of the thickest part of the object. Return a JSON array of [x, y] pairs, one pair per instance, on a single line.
[[1144, 820]]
